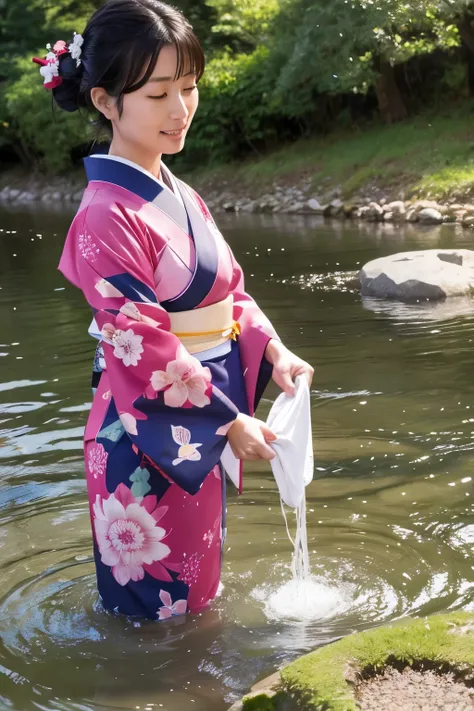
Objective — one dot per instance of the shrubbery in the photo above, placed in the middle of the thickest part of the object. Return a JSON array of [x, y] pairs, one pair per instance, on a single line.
[[276, 70]]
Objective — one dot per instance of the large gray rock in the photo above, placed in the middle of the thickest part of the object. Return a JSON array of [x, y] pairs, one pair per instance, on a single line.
[[314, 204], [374, 212], [431, 274], [430, 216]]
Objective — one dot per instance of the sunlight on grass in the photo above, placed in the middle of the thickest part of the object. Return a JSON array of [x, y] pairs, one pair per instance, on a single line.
[[428, 154]]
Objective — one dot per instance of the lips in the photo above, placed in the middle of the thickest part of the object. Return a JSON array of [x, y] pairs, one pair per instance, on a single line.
[[174, 132]]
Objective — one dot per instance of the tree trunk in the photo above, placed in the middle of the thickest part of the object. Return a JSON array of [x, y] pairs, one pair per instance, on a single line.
[[390, 100], [465, 25]]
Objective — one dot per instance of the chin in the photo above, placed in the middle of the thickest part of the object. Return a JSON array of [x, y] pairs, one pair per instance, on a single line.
[[171, 152]]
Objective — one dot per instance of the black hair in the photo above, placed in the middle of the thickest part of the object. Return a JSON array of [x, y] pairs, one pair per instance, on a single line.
[[121, 45]]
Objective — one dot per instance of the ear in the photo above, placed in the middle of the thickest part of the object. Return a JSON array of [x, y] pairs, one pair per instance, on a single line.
[[103, 102]]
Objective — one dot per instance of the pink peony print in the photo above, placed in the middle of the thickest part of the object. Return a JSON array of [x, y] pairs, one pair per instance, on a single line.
[[97, 460], [170, 609], [127, 533], [185, 379], [128, 346]]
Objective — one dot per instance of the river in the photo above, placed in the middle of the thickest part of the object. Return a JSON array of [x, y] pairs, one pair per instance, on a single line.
[[390, 513]]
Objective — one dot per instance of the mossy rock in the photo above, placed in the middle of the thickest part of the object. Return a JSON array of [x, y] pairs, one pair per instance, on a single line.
[[326, 679]]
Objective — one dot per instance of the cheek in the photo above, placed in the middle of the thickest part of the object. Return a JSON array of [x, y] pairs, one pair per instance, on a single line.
[[138, 112], [193, 102]]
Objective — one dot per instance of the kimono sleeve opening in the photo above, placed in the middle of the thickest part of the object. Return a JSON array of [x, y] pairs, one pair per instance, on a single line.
[[257, 331], [164, 397]]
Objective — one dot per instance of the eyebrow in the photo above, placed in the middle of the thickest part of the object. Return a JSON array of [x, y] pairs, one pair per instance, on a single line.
[[158, 79]]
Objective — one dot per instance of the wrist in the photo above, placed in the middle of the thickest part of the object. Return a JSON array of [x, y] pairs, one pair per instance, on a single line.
[[273, 350]]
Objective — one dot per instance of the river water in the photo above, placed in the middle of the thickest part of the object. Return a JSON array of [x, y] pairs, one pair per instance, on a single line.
[[390, 512]]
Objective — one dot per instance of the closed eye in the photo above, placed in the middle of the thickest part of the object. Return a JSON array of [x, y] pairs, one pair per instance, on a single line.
[[163, 96]]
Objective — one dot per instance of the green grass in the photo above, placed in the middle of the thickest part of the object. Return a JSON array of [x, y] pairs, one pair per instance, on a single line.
[[319, 680], [429, 155]]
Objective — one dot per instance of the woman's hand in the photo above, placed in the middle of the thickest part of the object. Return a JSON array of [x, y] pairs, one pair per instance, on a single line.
[[286, 366], [248, 438]]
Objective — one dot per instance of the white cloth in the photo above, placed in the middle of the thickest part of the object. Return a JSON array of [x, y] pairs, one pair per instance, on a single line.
[[290, 420], [94, 330]]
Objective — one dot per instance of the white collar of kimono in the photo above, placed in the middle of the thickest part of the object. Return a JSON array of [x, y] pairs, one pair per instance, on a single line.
[[161, 183], [183, 210], [175, 203]]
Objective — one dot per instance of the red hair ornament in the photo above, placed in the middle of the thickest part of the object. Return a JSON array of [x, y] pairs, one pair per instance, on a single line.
[[49, 66]]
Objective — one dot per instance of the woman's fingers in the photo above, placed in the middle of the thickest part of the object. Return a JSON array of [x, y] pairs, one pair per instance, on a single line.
[[307, 370], [282, 377], [248, 439], [268, 435], [265, 451]]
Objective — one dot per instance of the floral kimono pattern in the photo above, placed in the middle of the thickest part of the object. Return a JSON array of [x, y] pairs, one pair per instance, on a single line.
[[155, 439]]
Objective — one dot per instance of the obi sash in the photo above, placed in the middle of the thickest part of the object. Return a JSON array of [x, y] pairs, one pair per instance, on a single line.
[[205, 328]]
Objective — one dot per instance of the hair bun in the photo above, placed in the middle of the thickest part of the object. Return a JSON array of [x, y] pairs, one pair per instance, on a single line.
[[66, 95]]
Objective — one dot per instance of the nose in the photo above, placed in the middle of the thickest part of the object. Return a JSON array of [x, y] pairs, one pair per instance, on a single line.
[[179, 110]]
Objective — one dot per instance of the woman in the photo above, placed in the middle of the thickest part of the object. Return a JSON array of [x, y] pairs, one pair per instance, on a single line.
[[185, 352]]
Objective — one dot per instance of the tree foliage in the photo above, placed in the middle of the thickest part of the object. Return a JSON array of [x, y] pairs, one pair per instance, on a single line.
[[274, 67]]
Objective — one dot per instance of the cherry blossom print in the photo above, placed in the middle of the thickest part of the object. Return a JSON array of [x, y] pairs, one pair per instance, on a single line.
[[186, 451], [127, 533], [208, 537], [129, 422], [107, 290], [88, 248], [131, 311], [107, 332], [170, 609], [185, 379], [212, 533], [190, 570], [97, 461], [127, 346]]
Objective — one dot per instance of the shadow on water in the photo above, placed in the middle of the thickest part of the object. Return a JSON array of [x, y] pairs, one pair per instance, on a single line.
[[390, 518]]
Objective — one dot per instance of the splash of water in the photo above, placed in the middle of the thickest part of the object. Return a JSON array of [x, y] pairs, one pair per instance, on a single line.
[[300, 558], [303, 598]]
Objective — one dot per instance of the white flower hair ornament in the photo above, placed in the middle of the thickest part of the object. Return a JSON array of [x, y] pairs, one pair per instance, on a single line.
[[49, 66], [75, 48]]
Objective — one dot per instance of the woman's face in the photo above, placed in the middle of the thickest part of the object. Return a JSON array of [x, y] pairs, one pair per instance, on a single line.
[[156, 118]]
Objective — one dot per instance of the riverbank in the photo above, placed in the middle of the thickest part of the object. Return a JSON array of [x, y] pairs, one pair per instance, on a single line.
[[418, 170], [412, 665]]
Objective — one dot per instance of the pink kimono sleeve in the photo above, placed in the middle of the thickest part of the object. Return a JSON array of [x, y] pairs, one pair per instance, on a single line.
[[164, 396], [246, 310], [256, 332]]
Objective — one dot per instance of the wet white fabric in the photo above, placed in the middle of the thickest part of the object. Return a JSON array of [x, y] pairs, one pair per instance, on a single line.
[[290, 420]]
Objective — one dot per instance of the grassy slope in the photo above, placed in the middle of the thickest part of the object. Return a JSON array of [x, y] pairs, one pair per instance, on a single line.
[[318, 679], [429, 155]]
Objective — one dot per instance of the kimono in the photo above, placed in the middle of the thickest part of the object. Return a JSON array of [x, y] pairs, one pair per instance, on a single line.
[[171, 377]]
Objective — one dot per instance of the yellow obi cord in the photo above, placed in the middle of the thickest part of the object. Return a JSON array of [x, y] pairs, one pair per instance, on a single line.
[[231, 332]]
